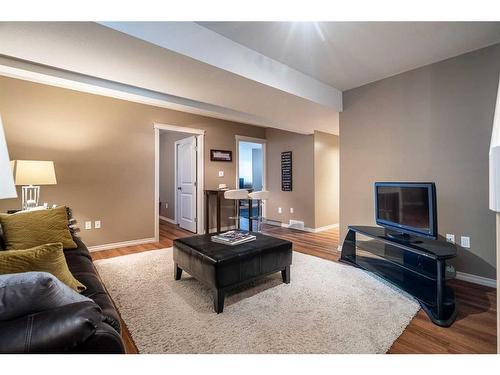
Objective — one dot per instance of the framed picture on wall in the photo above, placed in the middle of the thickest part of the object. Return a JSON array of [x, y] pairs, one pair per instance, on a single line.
[[221, 155]]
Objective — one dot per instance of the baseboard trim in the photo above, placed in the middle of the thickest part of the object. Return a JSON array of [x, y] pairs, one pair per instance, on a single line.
[[171, 221], [305, 229], [321, 229], [121, 244], [492, 283]]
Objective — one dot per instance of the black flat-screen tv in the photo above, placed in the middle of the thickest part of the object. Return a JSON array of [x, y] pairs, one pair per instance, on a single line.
[[407, 208]]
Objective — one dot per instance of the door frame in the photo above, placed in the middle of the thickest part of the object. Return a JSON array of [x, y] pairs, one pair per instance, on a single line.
[[263, 142], [200, 168]]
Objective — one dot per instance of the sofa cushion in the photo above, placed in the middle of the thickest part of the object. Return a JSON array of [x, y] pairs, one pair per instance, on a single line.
[[31, 292], [27, 229], [45, 258], [81, 266]]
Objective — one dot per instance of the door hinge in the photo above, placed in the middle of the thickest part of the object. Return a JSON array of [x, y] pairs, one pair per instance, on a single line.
[[195, 183], [195, 219]]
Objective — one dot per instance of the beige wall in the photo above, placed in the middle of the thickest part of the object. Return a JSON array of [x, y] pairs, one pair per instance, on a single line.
[[315, 171], [302, 196], [103, 150], [326, 179], [167, 171], [430, 124]]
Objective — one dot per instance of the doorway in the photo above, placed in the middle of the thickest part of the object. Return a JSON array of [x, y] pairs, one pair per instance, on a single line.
[[179, 177], [250, 170]]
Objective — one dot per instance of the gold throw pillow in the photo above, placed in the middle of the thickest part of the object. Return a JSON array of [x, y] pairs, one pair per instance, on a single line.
[[45, 258], [27, 229]]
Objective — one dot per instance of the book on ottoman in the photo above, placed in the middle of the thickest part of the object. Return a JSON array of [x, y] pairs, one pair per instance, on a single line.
[[233, 237]]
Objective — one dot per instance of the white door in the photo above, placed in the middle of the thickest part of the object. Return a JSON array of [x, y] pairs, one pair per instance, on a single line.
[[186, 183]]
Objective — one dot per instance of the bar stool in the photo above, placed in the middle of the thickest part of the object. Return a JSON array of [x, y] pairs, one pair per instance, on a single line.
[[236, 195], [259, 196]]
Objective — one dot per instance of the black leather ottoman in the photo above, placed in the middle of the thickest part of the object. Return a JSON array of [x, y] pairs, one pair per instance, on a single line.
[[222, 267]]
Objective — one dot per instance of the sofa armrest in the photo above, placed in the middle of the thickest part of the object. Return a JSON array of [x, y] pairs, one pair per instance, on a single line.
[[58, 330]]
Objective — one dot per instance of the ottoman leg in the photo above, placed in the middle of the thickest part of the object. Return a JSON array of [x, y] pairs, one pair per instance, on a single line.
[[285, 275], [177, 272], [219, 300]]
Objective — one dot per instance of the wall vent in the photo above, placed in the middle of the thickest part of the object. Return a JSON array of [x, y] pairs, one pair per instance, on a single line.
[[296, 224]]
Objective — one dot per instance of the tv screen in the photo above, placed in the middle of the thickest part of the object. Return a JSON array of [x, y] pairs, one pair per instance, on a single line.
[[408, 208]]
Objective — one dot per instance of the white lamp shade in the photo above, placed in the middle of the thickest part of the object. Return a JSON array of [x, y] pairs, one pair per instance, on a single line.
[[495, 159], [34, 172], [7, 188]]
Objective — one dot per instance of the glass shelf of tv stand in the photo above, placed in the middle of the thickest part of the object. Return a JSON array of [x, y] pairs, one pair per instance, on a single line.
[[422, 288], [378, 250]]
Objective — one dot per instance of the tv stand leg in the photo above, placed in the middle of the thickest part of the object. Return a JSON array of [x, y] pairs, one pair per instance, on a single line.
[[349, 247], [441, 314], [440, 287]]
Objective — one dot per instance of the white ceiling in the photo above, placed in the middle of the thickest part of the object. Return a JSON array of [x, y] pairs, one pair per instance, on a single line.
[[350, 54], [274, 74]]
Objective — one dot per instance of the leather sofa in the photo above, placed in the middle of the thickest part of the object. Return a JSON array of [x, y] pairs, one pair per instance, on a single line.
[[83, 327]]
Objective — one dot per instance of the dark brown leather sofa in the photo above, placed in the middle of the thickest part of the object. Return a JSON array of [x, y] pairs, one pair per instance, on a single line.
[[84, 327]]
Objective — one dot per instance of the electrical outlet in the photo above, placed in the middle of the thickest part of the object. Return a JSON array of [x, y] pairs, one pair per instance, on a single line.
[[88, 225], [166, 205], [291, 210], [465, 242], [280, 210], [450, 238], [221, 173], [97, 224]]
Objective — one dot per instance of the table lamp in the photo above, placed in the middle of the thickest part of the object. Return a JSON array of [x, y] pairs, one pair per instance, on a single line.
[[7, 188], [30, 174]]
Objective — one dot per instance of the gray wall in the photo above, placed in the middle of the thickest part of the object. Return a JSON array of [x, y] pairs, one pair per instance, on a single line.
[[430, 124]]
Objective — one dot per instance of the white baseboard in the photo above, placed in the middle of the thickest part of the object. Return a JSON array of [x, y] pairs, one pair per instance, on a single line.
[[121, 244], [171, 221], [321, 229], [492, 283], [305, 229]]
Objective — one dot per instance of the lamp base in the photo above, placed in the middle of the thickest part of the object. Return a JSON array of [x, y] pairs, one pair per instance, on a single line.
[[30, 196]]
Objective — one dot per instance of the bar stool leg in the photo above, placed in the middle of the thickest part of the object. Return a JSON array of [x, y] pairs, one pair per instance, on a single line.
[[259, 214], [237, 202]]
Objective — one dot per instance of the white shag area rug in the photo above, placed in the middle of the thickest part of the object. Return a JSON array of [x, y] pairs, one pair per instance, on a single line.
[[327, 308]]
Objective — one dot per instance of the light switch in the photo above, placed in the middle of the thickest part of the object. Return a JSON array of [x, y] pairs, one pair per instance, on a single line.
[[221, 173], [280, 210], [88, 225], [291, 210]]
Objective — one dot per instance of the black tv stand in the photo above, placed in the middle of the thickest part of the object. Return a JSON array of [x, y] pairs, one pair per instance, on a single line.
[[417, 267]]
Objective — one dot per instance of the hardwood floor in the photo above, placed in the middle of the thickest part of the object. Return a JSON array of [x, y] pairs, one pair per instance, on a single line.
[[474, 331]]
